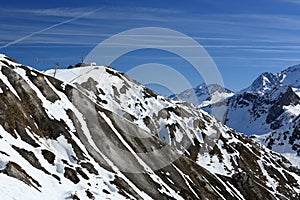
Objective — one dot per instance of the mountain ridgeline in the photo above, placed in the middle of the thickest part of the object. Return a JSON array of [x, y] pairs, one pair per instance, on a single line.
[[94, 133], [268, 109]]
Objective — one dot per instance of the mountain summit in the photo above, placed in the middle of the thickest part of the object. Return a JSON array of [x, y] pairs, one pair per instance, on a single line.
[[268, 81]]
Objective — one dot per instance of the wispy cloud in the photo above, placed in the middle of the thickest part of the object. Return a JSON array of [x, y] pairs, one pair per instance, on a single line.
[[46, 29], [231, 28], [273, 50], [111, 13], [259, 34], [57, 12], [91, 23]]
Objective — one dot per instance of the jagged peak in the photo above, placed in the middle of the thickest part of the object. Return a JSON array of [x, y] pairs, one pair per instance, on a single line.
[[262, 84], [267, 81]]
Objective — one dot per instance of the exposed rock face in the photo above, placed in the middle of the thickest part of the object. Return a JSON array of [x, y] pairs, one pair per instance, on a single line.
[[289, 97], [12, 169], [254, 113], [74, 140]]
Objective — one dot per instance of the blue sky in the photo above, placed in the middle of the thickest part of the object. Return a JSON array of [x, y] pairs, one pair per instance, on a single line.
[[244, 37]]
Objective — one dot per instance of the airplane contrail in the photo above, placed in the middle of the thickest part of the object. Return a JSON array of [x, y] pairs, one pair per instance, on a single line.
[[46, 29]]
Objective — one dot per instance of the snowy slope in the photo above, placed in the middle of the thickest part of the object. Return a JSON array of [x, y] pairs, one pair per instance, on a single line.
[[39, 157], [286, 138], [206, 141], [84, 139]]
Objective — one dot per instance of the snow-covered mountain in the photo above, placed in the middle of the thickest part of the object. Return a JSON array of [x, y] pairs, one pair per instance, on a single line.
[[203, 94], [95, 133], [269, 107], [260, 113], [267, 81]]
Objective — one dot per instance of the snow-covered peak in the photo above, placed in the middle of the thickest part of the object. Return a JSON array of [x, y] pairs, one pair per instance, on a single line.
[[264, 83], [203, 94], [267, 81], [70, 75]]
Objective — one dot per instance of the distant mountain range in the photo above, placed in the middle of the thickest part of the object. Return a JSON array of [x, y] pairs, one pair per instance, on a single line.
[[269, 108], [204, 95], [94, 133]]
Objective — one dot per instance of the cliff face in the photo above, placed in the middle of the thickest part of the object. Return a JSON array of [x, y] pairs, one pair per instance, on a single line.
[[98, 134]]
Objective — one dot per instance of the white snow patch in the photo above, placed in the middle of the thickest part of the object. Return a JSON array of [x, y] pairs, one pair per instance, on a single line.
[[270, 181]]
